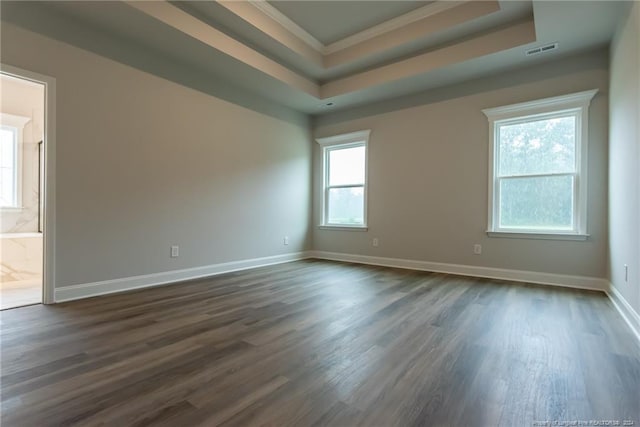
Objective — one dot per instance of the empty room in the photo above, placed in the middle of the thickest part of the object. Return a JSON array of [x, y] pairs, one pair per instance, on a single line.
[[320, 213]]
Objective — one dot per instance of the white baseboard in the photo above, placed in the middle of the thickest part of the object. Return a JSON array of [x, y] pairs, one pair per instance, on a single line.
[[74, 292], [579, 282], [626, 311]]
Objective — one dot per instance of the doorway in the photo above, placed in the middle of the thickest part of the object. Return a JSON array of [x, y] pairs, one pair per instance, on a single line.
[[25, 135]]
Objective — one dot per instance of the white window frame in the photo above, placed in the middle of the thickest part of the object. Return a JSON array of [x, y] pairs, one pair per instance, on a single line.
[[16, 124], [337, 142], [576, 105]]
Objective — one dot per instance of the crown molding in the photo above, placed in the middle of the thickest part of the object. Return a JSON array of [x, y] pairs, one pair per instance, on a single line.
[[391, 25], [288, 24]]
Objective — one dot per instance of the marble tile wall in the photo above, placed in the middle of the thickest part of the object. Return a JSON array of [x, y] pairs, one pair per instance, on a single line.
[[20, 258]]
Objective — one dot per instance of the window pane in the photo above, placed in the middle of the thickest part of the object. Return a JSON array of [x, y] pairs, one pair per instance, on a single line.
[[7, 148], [7, 188], [346, 166], [7, 168], [346, 206], [538, 147], [537, 203]]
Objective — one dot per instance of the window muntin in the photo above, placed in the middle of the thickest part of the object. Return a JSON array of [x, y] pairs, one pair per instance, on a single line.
[[537, 168], [344, 159], [8, 167]]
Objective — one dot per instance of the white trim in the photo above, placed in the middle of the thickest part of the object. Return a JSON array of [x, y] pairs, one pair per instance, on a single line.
[[344, 141], [391, 25], [343, 227], [354, 39], [20, 235], [87, 290], [574, 104], [578, 282], [49, 206], [540, 236], [629, 315], [288, 24], [345, 138], [572, 100], [12, 120]]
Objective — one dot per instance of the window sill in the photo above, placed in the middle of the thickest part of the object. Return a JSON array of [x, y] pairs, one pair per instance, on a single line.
[[344, 227], [539, 236], [11, 209]]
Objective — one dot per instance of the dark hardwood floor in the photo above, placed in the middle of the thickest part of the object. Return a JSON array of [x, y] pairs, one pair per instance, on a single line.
[[322, 343]]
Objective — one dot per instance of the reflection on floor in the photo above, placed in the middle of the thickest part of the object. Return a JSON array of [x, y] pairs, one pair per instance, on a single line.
[[20, 292], [323, 343]]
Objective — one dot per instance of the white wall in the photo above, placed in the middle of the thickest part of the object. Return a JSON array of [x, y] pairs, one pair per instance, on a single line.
[[144, 163], [428, 166], [624, 159]]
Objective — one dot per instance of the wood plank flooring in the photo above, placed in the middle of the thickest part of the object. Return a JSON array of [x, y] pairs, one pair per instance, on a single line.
[[315, 343]]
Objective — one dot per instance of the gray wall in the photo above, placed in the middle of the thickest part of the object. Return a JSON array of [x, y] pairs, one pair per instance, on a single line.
[[624, 159], [428, 167], [144, 163]]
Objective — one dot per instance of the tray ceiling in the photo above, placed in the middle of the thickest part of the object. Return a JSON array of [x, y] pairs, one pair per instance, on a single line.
[[330, 21], [307, 54]]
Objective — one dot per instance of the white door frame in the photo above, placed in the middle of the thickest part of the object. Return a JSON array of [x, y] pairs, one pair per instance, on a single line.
[[49, 226]]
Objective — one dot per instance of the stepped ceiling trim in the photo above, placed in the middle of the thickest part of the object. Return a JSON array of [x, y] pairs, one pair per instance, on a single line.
[[290, 35], [443, 19], [188, 24], [506, 38], [375, 31], [285, 22], [417, 24]]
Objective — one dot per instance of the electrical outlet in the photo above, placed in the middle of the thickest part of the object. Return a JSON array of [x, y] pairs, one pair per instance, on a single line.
[[375, 242], [285, 240], [175, 251], [477, 249], [626, 273]]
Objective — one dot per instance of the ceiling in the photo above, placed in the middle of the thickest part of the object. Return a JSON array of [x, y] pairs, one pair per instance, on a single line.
[[330, 21], [308, 54]]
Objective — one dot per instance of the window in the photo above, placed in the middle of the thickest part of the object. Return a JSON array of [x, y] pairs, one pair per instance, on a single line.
[[11, 160], [8, 167], [344, 160], [537, 170]]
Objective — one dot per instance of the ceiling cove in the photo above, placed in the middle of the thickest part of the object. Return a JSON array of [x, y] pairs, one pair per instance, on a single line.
[[395, 49]]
